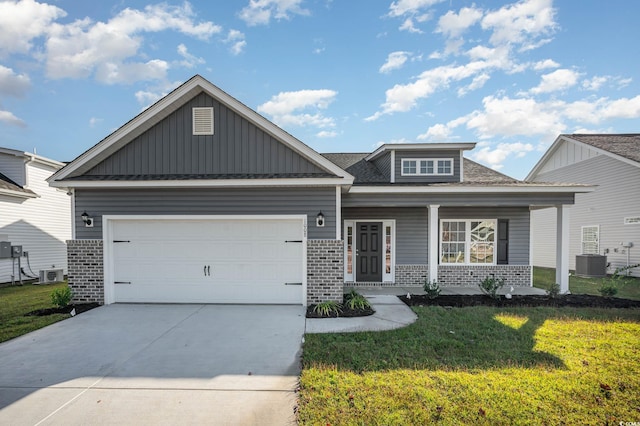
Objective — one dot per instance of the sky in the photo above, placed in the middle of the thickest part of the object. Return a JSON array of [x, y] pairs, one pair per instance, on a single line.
[[340, 75]]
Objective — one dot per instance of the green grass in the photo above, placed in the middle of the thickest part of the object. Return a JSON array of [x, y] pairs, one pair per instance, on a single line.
[[16, 301], [478, 365], [544, 277]]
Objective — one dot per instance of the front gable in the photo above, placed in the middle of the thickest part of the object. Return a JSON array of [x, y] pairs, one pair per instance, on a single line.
[[160, 148], [237, 148]]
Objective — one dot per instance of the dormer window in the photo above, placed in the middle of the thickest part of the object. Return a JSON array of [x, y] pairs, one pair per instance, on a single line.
[[427, 167]]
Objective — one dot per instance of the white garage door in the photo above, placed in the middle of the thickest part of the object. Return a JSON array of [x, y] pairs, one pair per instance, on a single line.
[[208, 261]]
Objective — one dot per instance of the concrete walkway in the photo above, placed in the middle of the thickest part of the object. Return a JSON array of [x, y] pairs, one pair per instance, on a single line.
[[391, 313]]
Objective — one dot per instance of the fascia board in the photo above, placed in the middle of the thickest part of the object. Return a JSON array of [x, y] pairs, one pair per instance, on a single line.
[[472, 189], [465, 146], [205, 183]]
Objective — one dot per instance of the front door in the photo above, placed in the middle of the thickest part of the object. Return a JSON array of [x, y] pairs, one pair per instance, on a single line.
[[369, 251]]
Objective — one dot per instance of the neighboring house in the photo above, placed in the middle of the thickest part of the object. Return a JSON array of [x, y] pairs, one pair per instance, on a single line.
[[201, 199], [32, 214], [604, 221]]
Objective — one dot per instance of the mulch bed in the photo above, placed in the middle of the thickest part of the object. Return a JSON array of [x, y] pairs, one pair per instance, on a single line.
[[345, 313], [79, 307], [569, 300]]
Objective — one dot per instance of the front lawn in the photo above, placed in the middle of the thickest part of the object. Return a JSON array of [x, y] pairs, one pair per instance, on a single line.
[[15, 301], [544, 277], [478, 365]]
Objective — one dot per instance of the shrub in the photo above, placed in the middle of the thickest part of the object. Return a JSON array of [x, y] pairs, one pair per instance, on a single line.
[[491, 285], [554, 290], [327, 308], [355, 301], [432, 289], [61, 297], [608, 290], [610, 285]]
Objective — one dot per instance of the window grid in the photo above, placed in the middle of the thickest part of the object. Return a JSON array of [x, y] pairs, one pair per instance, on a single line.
[[427, 167], [468, 241], [590, 239]]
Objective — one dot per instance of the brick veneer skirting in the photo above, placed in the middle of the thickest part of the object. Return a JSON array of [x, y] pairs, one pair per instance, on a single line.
[[411, 275], [325, 273], [463, 275], [85, 267]]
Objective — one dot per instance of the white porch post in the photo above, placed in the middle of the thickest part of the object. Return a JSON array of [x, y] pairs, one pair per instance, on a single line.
[[562, 248], [432, 230]]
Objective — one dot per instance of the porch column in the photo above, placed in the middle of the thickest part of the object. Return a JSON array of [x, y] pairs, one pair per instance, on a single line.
[[432, 230], [562, 248]]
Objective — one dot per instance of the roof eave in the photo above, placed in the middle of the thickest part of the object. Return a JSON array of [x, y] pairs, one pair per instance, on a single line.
[[464, 146], [473, 189]]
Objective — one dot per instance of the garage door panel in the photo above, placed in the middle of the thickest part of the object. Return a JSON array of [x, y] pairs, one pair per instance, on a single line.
[[248, 261]]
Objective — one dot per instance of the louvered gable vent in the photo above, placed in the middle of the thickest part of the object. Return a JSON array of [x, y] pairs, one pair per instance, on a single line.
[[203, 121]]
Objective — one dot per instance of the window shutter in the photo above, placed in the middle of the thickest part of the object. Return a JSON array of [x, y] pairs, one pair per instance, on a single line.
[[503, 242], [203, 121]]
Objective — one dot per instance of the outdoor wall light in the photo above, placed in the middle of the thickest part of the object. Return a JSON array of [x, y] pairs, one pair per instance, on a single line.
[[88, 221], [320, 220]]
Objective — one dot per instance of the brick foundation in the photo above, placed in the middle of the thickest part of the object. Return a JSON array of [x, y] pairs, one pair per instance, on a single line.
[[465, 275], [325, 270], [411, 275], [85, 270]]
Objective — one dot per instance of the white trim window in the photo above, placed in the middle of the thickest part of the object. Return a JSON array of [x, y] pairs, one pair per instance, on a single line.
[[468, 241], [591, 239], [427, 167]]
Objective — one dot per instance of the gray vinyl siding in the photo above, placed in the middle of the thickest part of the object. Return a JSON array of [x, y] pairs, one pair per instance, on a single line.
[[383, 163], [453, 154], [236, 147], [617, 197], [281, 201], [489, 200], [519, 222], [14, 168], [411, 230]]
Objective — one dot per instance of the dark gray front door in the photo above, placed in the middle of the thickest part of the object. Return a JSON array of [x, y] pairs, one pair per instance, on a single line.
[[369, 251]]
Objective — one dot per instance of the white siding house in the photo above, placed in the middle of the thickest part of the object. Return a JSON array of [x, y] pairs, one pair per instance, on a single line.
[[32, 214], [604, 221]]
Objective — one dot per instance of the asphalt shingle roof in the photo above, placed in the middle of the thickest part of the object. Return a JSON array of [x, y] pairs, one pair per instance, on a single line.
[[624, 145], [8, 184]]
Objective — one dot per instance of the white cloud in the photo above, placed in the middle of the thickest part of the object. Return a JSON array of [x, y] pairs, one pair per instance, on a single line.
[[260, 12], [8, 118], [237, 41], [395, 60], [557, 80], [327, 134], [477, 83], [95, 120], [12, 84], [546, 64], [108, 49], [23, 21], [495, 157], [454, 25], [188, 60], [594, 83], [287, 108], [521, 23], [409, 7], [152, 94], [436, 132]]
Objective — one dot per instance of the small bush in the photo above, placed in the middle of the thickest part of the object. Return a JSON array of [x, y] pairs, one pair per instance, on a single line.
[[327, 308], [431, 288], [610, 285], [608, 290], [491, 285], [554, 290], [355, 301], [61, 297]]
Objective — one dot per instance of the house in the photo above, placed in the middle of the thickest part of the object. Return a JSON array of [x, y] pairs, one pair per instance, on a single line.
[[32, 215], [605, 221], [201, 199]]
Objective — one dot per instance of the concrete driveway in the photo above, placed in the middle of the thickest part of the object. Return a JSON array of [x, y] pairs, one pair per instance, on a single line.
[[156, 364]]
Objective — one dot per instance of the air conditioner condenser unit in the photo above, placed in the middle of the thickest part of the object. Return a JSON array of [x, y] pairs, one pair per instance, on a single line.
[[51, 276]]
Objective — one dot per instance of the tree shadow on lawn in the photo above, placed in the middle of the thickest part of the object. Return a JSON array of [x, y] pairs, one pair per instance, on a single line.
[[450, 339]]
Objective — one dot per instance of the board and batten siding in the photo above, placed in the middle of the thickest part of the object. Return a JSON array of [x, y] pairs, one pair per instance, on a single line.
[[452, 154], [236, 147], [616, 197], [519, 222], [41, 225], [411, 230], [257, 201]]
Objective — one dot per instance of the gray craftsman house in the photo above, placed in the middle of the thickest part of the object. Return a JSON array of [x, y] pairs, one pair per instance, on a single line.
[[201, 199], [605, 221]]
